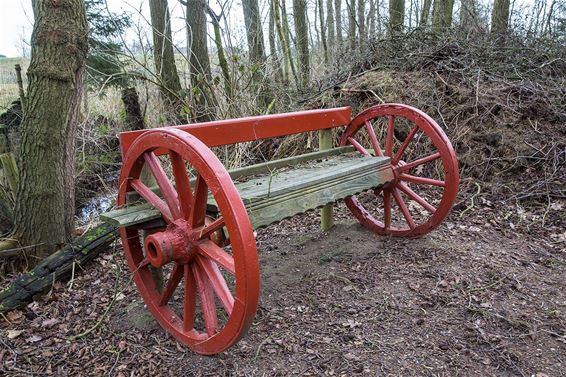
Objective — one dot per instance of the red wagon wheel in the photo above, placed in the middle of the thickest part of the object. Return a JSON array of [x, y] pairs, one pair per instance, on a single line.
[[211, 292], [424, 165]]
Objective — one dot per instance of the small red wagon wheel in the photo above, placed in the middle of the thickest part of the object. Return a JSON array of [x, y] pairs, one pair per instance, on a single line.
[[211, 292], [425, 170]]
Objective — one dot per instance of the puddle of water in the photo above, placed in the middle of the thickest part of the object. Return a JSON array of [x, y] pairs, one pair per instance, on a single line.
[[94, 207]]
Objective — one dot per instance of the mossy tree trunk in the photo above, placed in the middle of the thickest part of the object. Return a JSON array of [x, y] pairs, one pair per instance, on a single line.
[[330, 27], [500, 16], [301, 32], [338, 12], [256, 50], [442, 15], [201, 76], [351, 4], [396, 16], [425, 13], [362, 32], [222, 62], [164, 57], [323, 30], [45, 204]]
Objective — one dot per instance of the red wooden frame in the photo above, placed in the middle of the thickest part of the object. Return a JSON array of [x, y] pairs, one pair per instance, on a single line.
[[232, 131]]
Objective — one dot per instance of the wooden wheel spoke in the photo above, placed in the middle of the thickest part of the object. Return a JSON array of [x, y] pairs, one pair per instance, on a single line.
[[404, 146], [218, 283], [189, 302], [416, 197], [373, 139], [206, 299], [152, 198], [182, 183], [200, 198], [404, 209], [387, 209], [389, 137], [165, 185], [143, 263], [358, 146], [421, 180], [419, 161], [211, 228], [211, 250], [172, 284]]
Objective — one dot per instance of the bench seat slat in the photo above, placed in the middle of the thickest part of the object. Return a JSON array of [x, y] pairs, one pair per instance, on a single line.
[[280, 195]]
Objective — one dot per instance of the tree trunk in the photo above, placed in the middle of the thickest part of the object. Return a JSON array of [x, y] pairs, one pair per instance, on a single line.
[[338, 12], [278, 71], [330, 27], [425, 13], [222, 62], [500, 16], [164, 56], [256, 50], [371, 19], [134, 118], [396, 16], [323, 30], [442, 15], [301, 32], [45, 205], [284, 41], [199, 61], [469, 16], [362, 23], [351, 4]]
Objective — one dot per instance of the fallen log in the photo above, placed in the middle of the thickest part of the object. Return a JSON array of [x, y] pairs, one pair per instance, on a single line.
[[57, 266]]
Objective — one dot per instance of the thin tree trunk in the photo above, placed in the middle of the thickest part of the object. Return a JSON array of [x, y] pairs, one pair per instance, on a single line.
[[45, 203], [301, 32], [222, 62], [278, 72], [164, 55], [425, 13], [330, 27], [362, 23], [256, 49], [351, 4], [500, 16], [199, 60], [338, 12], [371, 18], [469, 15], [323, 29], [396, 16], [284, 41], [442, 15]]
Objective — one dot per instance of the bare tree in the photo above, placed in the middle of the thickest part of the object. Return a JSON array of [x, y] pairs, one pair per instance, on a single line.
[[323, 29], [442, 14], [500, 16], [338, 12], [301, 32], [396, 16], [330, 26], [351, 4], [425, 13], [362, 33], [164, 55]]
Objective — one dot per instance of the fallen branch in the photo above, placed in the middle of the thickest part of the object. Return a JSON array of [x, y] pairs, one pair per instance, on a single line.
[[56, 267]]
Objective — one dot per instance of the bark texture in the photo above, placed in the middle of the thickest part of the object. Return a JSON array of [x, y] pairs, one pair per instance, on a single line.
[[164, 55], [199, 61], [500, 16], [442, 15], [396, 16], [338, 12], [330, 27], [45, 205], [301, 32], [352, 23], [134, 118], [323, 29], [425, 13], [362, 32], [256, 49]]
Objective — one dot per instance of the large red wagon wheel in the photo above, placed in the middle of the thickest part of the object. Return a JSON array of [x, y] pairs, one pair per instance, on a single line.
[[424, 167], [211, 292]]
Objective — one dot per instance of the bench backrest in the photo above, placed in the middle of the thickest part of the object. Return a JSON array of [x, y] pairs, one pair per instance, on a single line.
[[232, 131]]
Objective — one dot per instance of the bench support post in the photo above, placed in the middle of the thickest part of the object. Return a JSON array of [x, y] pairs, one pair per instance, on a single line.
[[326, 213]]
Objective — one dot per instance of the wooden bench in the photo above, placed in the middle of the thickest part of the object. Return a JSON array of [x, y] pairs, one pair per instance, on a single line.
[[195, 223]]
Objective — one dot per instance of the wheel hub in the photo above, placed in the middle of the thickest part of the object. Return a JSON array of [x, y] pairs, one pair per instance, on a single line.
[[176, 243]]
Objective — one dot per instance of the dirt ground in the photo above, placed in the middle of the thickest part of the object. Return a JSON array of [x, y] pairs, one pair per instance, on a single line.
[[484, 295]]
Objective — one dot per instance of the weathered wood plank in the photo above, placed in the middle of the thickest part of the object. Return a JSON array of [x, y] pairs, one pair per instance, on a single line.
[[272, 198]]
